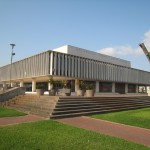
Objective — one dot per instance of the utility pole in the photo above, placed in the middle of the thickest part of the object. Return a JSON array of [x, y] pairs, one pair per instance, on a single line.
[[12, 54]]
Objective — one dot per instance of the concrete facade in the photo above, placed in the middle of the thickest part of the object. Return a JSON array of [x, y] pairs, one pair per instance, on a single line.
[[67, 49], [72, 63]]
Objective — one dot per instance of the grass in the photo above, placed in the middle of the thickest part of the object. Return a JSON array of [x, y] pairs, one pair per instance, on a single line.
[[139, 117], [6, 112], [51, 135]]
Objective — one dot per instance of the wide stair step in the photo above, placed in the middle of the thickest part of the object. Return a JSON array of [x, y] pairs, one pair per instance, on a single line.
[[61, 107], [38, 105], [78, 106]]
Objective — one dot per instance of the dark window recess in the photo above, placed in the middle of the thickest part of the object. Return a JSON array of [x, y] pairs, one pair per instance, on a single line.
[[28, 86], [72, 85], [120, 88], [131, 88], [105, 87]]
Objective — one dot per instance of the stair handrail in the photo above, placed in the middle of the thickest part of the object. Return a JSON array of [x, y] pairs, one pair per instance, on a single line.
[[12, 93]]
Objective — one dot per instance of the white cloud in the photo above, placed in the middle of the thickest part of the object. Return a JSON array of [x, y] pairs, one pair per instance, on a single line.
[[127, 50]]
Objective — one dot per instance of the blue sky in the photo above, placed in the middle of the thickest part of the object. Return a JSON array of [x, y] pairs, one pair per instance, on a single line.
[[113, 27]]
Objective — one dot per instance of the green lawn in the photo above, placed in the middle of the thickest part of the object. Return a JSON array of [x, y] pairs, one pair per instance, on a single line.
[[51, 135], [6, 112], [139, 117]]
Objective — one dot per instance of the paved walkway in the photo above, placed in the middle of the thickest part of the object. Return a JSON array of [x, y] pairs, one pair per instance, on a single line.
[[21, 119], [130, 133], [134, 134]]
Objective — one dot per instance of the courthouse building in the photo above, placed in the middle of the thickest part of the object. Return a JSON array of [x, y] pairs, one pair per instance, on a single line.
[[108, 74]]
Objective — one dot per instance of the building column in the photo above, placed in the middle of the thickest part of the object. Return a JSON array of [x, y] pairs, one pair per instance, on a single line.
[[113, 88], [50, 86], [4, 84], [33, 85], [137, 88], [76, 85], [12, 84], [21, 84], [126, 87], [97, 87]]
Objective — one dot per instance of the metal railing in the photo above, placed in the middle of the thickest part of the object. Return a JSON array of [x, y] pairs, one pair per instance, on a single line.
[[12, 93]]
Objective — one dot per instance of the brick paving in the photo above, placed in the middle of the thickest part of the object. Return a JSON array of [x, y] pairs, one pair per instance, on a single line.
[[130, 133], [20, 119]]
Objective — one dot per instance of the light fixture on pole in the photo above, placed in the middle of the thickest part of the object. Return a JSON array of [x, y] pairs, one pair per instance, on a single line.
[[12, 54]]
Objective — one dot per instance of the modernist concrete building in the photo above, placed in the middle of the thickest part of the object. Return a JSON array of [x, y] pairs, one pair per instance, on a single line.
[[108, 74]]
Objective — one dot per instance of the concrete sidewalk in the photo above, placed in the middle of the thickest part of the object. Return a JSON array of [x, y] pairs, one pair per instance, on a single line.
[[20, 119], [130, 133]]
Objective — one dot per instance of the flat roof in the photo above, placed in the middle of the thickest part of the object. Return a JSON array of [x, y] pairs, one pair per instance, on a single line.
[[72, 50]]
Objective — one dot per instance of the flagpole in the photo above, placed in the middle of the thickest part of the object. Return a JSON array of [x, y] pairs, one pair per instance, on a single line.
[[12, 45]]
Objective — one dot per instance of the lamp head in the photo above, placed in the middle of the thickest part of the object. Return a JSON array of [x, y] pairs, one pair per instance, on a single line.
[[142, 45], [13, 45], [147, 53]]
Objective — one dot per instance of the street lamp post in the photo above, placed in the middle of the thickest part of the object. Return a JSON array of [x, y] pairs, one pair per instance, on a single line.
[[147, 53], [12, 54]]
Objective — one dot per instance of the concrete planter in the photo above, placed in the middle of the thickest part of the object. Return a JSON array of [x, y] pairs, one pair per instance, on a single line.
[[40, 92], [66, 92], [89, 93], [52, 92], [80, 92]]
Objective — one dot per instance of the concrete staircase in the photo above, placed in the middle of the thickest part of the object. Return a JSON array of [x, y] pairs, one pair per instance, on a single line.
[[78, 106], [60, 107], [33, 104]]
